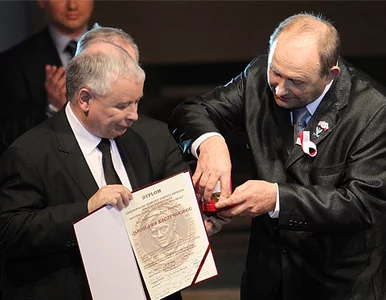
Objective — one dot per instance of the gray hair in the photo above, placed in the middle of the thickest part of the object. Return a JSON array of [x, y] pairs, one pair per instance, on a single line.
[[106, 34], [329, 40], [96, 68]]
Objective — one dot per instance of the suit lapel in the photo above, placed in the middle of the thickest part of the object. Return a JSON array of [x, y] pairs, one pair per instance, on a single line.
[[46, 45], [132, 150], [72, 156], [283, 121], [327, 112], [127, 162], [135, 157], [269, 118]]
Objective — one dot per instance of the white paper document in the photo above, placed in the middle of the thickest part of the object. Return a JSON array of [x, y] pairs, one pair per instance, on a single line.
[[164, 227], [107, 256]]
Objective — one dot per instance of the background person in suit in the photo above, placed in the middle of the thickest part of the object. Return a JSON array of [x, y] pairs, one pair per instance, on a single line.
[[32, 77], [60, 178], [319, 224]]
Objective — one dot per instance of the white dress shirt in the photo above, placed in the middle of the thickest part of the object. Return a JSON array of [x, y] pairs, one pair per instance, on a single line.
[[61, 40], [88, 145]]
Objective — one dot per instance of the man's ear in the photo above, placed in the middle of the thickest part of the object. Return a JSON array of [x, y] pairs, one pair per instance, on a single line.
[[83, 98], [333, 74]]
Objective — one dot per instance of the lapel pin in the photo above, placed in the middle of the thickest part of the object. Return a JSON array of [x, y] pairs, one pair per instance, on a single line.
[[321, 127]]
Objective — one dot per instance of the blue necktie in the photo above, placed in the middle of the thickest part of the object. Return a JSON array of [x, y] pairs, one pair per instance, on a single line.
[[71, 48], [300, 116]]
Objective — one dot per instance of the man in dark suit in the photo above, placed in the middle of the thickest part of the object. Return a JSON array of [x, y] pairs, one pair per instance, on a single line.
[[165, 155], [32, 77], [53, 175], [318, 198]]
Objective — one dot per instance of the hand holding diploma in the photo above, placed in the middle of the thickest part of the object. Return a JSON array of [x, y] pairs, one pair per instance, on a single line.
[[161, 231]]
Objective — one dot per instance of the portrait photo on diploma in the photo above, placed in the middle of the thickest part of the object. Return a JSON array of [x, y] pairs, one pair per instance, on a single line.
[[159, 238]]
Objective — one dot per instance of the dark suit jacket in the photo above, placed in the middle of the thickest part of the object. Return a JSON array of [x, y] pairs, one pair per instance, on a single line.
[[329, 240], [165, 156], [45, 184], [23, 97]]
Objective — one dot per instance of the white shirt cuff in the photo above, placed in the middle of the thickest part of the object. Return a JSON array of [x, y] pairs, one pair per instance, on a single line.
[[51, 110], [199, 141], [275, 214]]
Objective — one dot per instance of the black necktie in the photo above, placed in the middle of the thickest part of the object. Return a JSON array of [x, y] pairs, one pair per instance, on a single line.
[[71, 48], [300, 116], [108, 168]]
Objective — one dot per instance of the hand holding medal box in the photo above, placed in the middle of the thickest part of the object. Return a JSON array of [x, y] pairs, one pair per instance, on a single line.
[[209, 207]]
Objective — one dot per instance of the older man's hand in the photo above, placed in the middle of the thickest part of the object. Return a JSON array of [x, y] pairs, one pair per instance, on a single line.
[[251, 199], [213, 164]]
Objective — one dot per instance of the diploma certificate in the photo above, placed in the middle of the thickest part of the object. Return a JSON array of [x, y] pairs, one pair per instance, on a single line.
[[168, 236], [161, 232]]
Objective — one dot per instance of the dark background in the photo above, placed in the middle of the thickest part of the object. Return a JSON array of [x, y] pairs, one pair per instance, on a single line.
[[188, 47]]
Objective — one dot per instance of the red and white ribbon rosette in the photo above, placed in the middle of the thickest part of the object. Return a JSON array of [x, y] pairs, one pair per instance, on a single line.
[[307, 145], [323, 125]]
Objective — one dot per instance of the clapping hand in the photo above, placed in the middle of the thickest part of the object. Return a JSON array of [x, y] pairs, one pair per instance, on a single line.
[[55, 85]]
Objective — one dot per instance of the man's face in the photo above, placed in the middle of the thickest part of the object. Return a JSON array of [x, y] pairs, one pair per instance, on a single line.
[[110, 116], [162, 233], [294, 71], [68, 16]]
